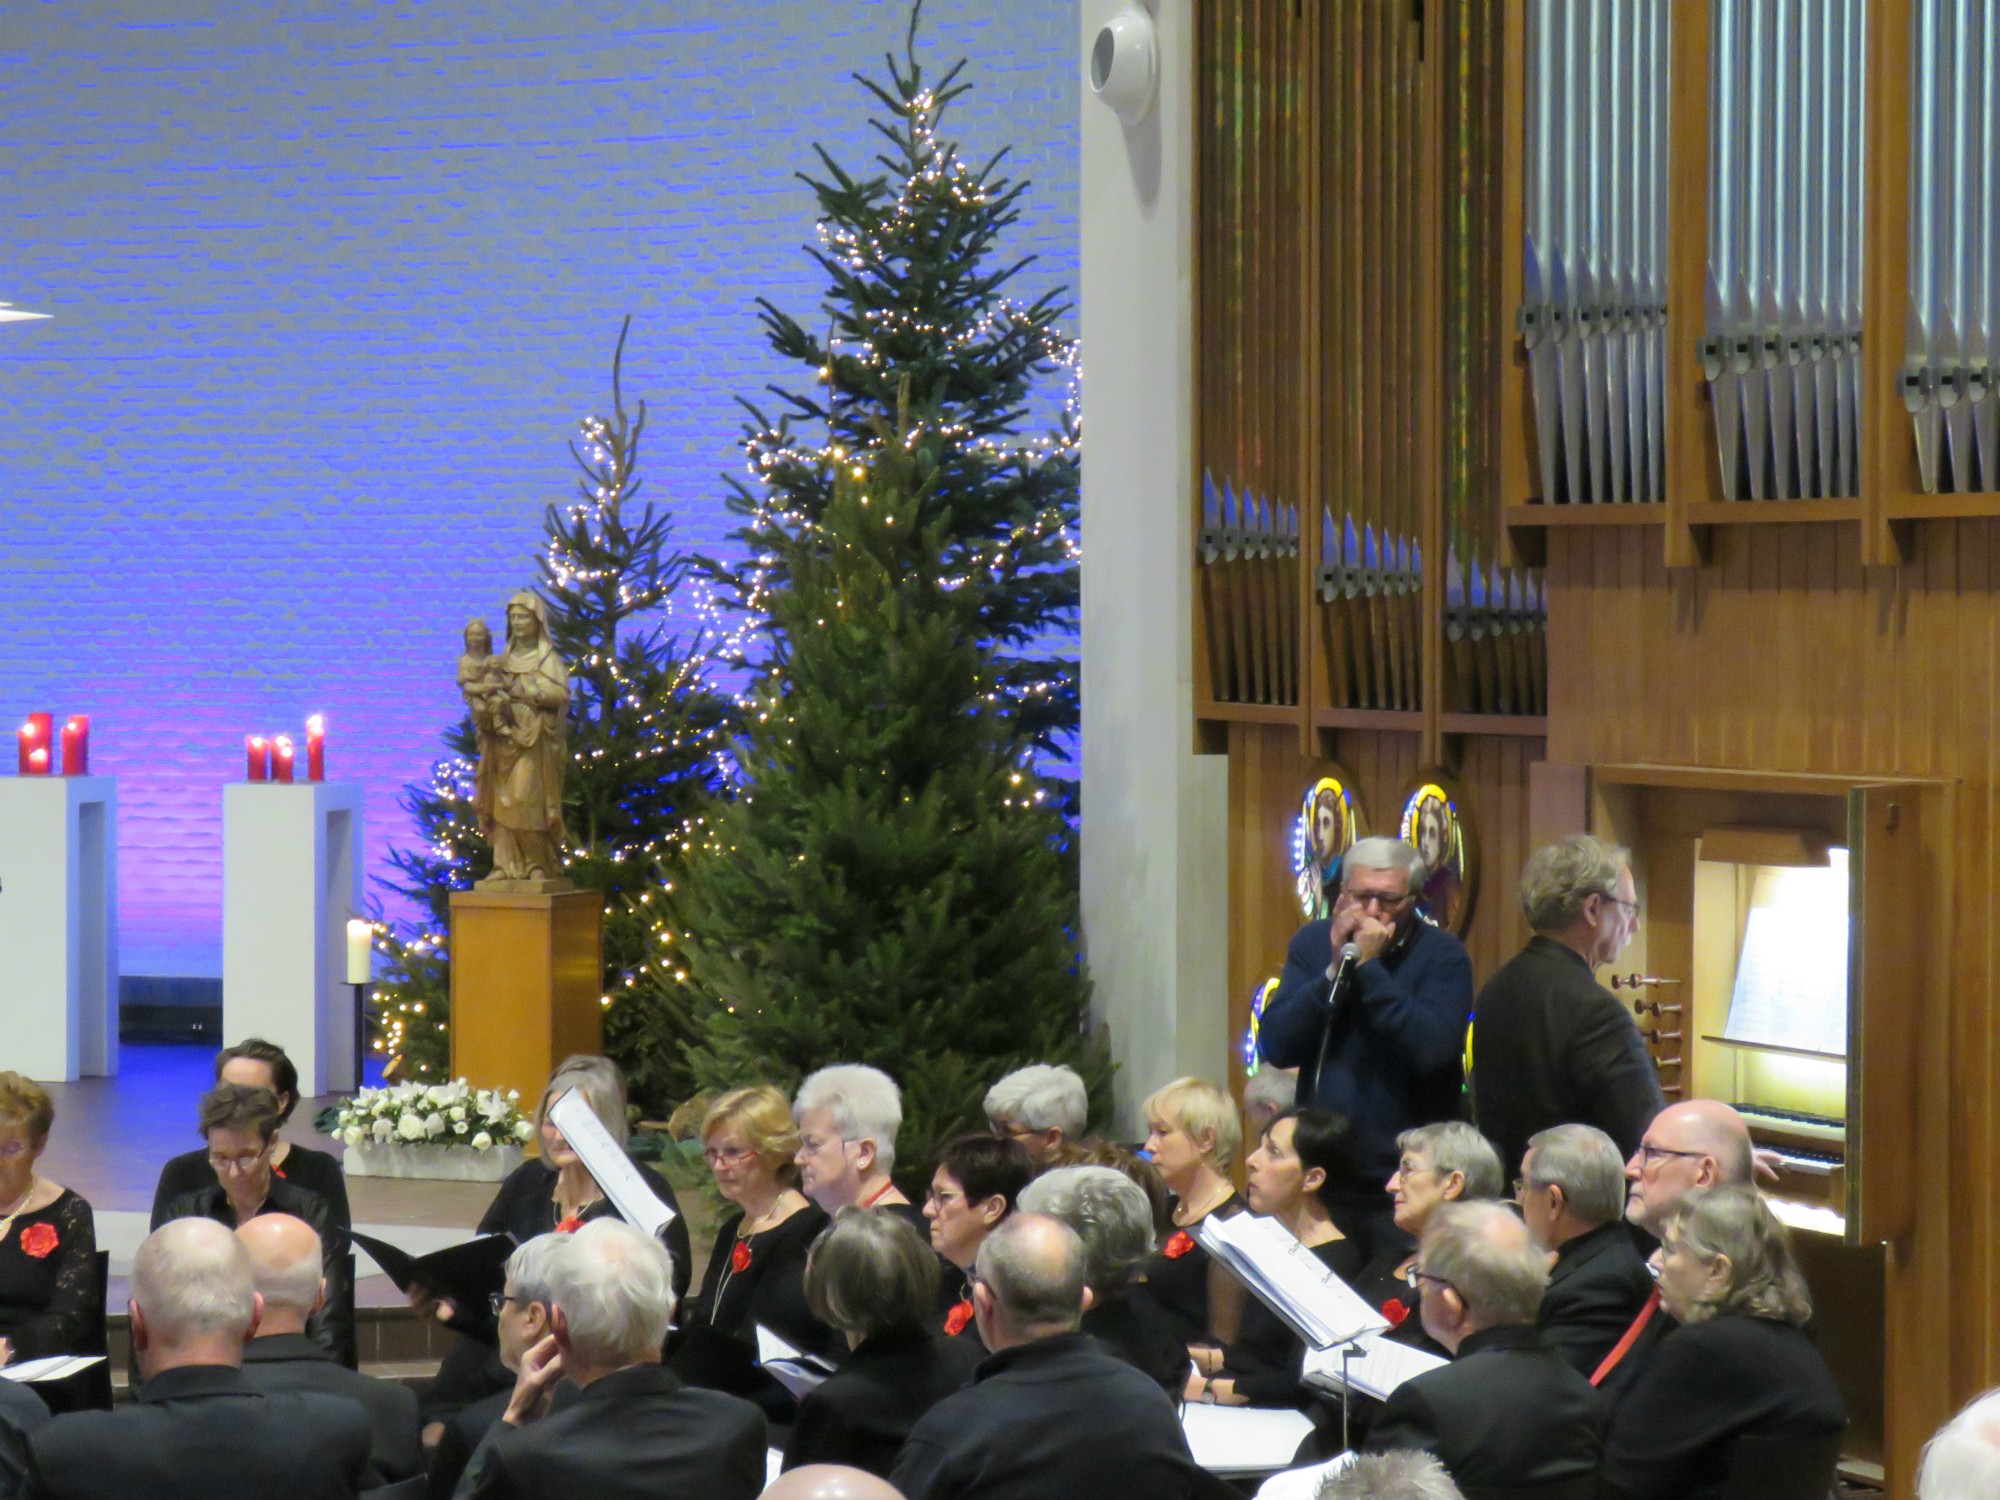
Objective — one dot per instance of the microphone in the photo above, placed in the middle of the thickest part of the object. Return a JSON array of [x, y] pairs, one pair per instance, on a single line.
[[1350, 955]]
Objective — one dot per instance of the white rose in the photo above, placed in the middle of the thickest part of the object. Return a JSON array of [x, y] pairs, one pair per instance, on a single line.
[[410, 1127], [354, 1135], [437, 1098], [524, 1130], [433, 1124], [482, 1142], [382, 1130], [458, 1113]]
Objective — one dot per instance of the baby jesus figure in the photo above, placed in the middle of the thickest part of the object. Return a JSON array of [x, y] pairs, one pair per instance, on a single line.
[[484, 685]]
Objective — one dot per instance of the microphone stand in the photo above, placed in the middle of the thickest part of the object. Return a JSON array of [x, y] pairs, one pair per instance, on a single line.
[[1350, 954]]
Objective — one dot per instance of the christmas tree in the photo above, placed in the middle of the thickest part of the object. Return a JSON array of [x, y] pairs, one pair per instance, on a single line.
[[890, 884], [915, 293], [647, 740]]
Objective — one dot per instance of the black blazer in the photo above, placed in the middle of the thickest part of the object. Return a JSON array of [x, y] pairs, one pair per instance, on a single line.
[[1059, 1416], [1131, 1325], [197, 1432], [22, 1415], [317, 1172], [864, 1412], [635, 1434], [1706, 1385], [1597, 1286], [333, 1325], [1552, 1046], [293, 1362], [1504, 1415]]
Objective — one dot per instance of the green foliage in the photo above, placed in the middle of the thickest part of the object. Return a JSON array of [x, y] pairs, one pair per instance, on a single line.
[[647, 737], [891, 886]]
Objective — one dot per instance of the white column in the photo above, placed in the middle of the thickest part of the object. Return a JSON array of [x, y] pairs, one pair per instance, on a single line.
[[291, 877], [1155, 873], [59, 926]]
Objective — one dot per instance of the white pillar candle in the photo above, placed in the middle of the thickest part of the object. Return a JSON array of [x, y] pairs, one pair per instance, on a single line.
[[360, 940]]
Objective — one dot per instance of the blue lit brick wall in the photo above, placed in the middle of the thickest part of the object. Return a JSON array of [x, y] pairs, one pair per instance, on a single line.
[[332, 284]]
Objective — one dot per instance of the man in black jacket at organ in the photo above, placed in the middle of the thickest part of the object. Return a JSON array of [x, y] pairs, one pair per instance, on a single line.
[[1385, 1052], [1550, 1045]]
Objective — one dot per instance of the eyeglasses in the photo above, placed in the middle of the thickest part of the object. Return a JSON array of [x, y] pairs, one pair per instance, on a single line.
[[498, 1302], [241, 1162], [727, 1158], [813, 1145], [1412, 1168], [1620, 900], [1418, 1275], [1380, 901], [1649, 1154], [942, 1200]]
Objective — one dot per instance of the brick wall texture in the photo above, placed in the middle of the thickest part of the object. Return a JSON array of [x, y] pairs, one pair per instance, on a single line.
[[332, 283]]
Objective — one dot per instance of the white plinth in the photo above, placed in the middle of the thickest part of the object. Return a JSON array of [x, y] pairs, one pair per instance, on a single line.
[[450, 1163], [59, 926], [291, 877]]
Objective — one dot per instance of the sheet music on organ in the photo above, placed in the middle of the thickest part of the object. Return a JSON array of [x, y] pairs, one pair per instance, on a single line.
[[1377, 1368], [1289, 1279], [1791, 977]]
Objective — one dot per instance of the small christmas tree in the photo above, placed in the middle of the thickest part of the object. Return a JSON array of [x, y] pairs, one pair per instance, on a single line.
[[915, 294], [889, 886], [647, 740]]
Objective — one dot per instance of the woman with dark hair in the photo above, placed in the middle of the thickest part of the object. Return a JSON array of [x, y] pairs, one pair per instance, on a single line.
[[258, 1064], [973, 1188], [1740, 1365], [240, 1125], [872, 1278], [1302, 1150]]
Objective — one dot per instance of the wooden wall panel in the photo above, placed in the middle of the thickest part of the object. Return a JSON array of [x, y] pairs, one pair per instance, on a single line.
[[1785, 654]]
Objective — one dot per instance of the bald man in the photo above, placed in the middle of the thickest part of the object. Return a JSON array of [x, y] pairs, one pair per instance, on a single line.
[[830, 1482], [1051, 1411], [285, 1264], [1697, 1143]]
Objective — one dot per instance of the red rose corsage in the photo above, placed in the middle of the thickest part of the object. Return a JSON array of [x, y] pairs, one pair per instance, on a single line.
[[1397, 1311], [739, 1258], [570, 1225], [39, 1240], [1179, 1245], [957, 1318]]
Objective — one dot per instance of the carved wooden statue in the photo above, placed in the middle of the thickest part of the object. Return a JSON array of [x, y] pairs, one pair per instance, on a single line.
[[519, 703]]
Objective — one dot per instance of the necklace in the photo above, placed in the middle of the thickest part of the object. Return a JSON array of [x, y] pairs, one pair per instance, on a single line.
[[1184, 1215], [20, 1206], [769, 1218]]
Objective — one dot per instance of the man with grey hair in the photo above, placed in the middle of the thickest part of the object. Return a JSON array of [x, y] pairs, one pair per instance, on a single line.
[[1376, 1034], [1506, 1412], [285, 1264], [1043, 1107], [1550, 1045], [1572, 1196], [1391, 1476], [197, 1430], [1049, 1412], [848, 1116], [1962, 1459], [1111, 1215], [634, 1431]]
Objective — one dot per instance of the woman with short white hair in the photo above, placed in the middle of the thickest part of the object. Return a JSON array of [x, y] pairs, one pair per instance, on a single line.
[[1043, 1107], [848, 1116]]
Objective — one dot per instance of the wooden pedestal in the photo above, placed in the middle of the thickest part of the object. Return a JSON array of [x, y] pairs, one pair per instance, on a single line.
[[527, 985]]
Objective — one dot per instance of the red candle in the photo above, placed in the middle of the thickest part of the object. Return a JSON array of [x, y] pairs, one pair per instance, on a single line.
[[260, 758], [316, 748], [76, 745], [35, 736], [281, 759]]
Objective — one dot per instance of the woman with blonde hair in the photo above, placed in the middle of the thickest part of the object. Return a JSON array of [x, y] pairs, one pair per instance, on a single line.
[[756, 1273], [1740, 1366], [48, 1248], [1193, 1132]]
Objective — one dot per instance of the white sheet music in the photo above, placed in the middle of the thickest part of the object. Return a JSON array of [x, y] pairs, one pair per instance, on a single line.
[[1378, 1367], [1289, 1279], [1791, 979], [1243, 1439], [54, 1367], [798, 1372], [607, 1162]]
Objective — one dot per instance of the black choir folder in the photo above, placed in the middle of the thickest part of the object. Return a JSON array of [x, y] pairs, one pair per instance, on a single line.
[[468, 1274], [1344, 1347]]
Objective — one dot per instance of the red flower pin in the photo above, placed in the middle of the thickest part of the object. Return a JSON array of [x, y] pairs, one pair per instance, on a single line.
[[1179, 1245], [739, 1258], [39, 1240], [1397, 1311], [570, 1225], [957, 1318]]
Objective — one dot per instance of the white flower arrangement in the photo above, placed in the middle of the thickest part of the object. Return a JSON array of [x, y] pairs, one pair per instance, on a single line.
[[443, 1114]]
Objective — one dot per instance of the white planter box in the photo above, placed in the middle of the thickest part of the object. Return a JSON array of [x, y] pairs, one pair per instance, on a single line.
[[451, 1163]]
